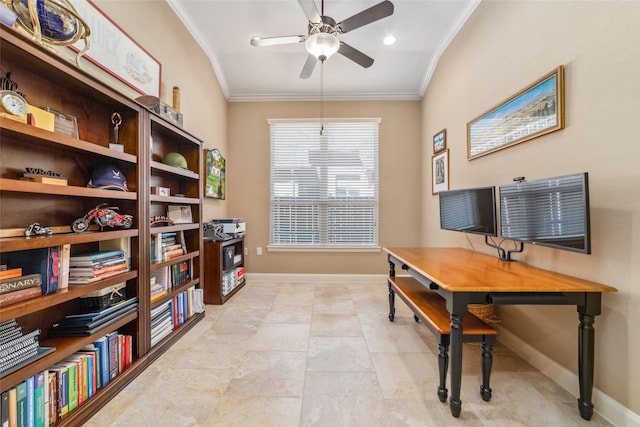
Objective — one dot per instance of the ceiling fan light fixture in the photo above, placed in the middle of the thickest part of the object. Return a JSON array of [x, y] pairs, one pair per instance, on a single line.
[[322, 45]]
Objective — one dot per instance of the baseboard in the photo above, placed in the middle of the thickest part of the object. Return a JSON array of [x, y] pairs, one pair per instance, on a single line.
[[322, 278], [605, 406]]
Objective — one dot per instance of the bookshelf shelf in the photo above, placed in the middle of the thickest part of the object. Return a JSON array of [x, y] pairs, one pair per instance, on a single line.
[[65, 346], [158, 265], [22, 243], [62, 190], [24, 308]]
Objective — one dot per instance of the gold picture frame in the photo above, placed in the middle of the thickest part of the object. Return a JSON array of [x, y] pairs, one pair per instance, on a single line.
[[534, 111], [440, 172], [439, 141]]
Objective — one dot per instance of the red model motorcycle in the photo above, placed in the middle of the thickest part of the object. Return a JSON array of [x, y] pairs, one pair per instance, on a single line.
[[104, 217]]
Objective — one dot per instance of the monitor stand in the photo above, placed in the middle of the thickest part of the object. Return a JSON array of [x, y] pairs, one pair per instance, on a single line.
[[503, 254]]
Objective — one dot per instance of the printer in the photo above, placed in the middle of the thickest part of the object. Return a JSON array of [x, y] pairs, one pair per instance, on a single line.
[[234, 227]]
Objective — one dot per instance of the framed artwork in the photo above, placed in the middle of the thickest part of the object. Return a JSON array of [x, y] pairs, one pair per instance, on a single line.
[[179, 214], [214, 183], [439, 141], [536, 110], [440, 172], [112, 50]]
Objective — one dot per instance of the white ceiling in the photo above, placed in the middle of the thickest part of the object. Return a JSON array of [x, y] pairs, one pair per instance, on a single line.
[[224, 28]]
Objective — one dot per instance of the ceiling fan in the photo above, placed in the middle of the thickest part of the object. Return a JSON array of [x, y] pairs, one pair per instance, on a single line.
[[322, 39]]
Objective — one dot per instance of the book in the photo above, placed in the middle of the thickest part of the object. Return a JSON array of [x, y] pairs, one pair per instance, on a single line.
[[20, 282], [52, 403], [72, 384], [39, 399], [21, 397], [46, 180], [17, 296], [96, 256], [10, 273], [43, 261], [62, 385], [112, 339], [4, 409], [102, 345], [123, 243], [13, 407], [65, 257], [30, 401]]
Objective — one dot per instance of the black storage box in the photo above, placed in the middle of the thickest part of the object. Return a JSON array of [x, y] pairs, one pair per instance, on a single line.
[[228, 253], [105, 297]]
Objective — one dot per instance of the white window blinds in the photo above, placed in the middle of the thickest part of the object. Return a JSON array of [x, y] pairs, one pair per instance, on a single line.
[[324, 188]]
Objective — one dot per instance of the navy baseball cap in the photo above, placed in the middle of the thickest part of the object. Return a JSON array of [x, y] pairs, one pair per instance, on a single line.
[[108, 177]]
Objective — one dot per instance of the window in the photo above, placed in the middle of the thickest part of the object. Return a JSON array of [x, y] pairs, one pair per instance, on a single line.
[[324, 188]]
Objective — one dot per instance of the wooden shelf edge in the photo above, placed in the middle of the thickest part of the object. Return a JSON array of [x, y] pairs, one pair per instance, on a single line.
[[177, 227], [173, 199], [174, 170], [20, 186], [35, 134], [30, 306], [172, 293], [158, 265], [9, 244]]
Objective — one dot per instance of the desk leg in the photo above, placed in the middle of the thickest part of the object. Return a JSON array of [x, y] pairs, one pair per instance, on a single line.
[[455, 404], [586, 338]]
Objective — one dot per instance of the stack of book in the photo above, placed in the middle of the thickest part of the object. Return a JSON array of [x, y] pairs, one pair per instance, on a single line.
[[157, 289], [161, 321], [86, 324], [90, 267], [15, 287], [18, 349], [180, 273], [165, 246]]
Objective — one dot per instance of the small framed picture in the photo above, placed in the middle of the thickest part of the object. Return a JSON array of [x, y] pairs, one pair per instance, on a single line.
[[64, 123], [440, 141], [440, 172], [179, 214]]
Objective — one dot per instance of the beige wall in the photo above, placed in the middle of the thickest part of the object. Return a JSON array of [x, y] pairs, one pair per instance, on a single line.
[[400, 187], [504, 47], [184, 65]]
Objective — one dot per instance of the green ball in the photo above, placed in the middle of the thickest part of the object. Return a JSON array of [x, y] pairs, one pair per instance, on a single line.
[[175, 159]]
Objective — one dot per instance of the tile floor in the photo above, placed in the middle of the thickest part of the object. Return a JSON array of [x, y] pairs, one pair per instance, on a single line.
[[319, 354]]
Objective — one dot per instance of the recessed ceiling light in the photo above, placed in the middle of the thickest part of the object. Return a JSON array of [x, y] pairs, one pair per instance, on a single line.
[[389, 40]]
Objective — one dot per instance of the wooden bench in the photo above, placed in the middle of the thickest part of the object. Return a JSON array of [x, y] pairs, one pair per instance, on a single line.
[[431, 309]]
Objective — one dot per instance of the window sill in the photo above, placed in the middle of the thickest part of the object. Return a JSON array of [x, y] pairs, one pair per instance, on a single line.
[[322, 248]]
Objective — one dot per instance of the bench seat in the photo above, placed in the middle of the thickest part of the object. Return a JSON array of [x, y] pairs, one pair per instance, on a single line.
[[431, 309]]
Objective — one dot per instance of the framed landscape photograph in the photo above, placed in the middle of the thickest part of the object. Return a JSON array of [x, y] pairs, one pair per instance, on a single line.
[[439, 141], [214, 183], [536, 110], [440, 172]]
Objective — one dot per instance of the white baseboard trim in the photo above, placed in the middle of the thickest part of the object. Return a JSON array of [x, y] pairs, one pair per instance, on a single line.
[[608, 408], [323, 278]]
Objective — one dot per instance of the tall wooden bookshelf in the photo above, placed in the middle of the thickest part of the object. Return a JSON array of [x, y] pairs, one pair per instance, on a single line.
[[47, 80]]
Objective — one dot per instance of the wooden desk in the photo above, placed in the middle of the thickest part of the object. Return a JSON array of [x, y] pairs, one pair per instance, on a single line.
[[465, 277]]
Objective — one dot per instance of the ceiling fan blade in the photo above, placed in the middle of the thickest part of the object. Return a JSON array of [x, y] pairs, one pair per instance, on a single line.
[[270, 41], [367, 16], [309, 65], [355, 55], [310, 10]]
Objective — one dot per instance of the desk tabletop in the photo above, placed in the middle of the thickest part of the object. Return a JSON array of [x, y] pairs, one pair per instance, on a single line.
[[463, 270]]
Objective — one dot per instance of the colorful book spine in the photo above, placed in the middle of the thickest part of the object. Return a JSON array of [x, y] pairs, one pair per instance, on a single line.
[[113, 354], [30, 401], [21, 295], [39, 399], [20, 282]]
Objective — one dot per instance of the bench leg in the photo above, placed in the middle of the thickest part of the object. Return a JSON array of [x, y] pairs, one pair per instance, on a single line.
[[487, 363], [392, 305], [443, 365]]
